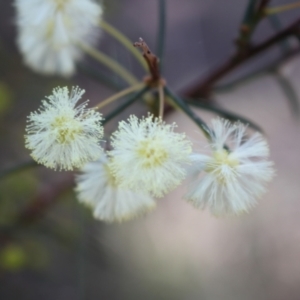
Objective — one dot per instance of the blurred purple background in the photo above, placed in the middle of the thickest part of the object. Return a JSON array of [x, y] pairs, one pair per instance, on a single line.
[[175, 252]]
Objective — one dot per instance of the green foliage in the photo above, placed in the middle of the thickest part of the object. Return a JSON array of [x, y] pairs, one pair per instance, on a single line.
[[13, 258], [15, 193], [6, 98]]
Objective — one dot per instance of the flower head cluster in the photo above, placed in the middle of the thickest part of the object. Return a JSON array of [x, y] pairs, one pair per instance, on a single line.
[[230, 181], [97, 188], [62, 135], [49, 30], [148, 159], [148, 155]]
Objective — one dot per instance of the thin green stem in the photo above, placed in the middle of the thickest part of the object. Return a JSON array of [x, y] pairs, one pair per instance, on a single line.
[[124, 41], [119, 95], [124, 105], [282, 8], [109, 63], [161, 95]]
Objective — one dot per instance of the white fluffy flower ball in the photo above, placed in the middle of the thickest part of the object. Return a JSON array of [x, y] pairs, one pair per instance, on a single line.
[[148, 155], [97, 188], [62, 135], [48, 31], [229, 182]]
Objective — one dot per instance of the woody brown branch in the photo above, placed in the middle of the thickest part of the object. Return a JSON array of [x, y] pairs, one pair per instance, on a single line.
[[204, 88]]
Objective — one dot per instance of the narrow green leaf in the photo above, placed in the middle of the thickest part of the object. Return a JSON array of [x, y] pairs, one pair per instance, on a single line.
[[277, 26], [187, 110], [250, 11], [290, 93], [224, 113]]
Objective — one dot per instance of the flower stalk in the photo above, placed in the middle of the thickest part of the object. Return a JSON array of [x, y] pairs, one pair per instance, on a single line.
[[119, 95], [281, 8], [161, 100], [123, 40], [109, 63]]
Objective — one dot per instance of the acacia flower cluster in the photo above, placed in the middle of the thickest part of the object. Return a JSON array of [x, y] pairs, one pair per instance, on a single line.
[[148, 159], [149, 156], [228, 181], [49, 31], [62, 135], [98, 189]]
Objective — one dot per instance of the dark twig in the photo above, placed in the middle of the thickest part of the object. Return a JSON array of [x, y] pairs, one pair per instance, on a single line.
[[204, 88], [267, 69]]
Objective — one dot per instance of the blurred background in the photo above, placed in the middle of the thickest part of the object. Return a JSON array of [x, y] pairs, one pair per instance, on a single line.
[[52, 248]]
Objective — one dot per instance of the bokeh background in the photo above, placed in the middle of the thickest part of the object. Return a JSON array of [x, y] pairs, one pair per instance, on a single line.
[[175, 252]]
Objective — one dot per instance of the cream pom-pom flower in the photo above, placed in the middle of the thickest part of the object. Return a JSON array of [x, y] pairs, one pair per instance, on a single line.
[[49, 30], [97, 188], [61, 135], [148, 155], [229, 182]]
